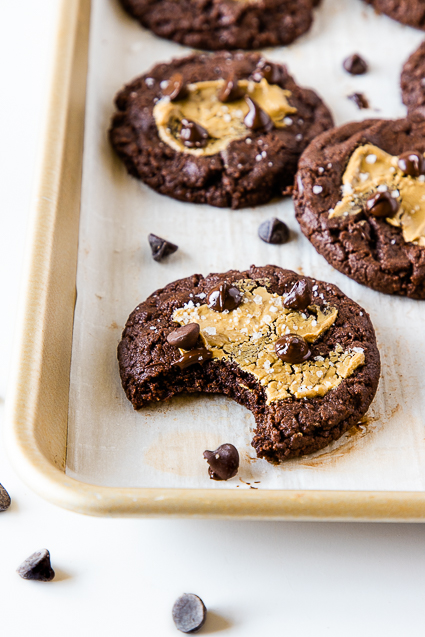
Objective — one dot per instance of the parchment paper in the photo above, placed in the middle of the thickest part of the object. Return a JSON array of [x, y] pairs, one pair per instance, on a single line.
[[161, 446]]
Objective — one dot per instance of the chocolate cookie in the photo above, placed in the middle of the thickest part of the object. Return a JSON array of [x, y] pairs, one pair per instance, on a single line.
[[413, 81], [295, 351], [224, 129], [360, 200], [224, 24], [411, 12]]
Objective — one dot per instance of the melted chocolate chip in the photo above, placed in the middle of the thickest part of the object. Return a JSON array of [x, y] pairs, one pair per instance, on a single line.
[[184, 337], [256, 118], [199, 355], [292, 349], [4, 499], [224, 297], [161, 248], [268, 71], [193, 135], [176, 88], [224, 462], [300, 296], [274, 231], [37, 567], [355, 65], [412, 163], [382, 204], [230, 91], [189, 613], [359, 100]]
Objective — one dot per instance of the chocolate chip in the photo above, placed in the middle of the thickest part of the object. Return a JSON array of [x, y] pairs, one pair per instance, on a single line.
[[184, 337], [189, 613], [37, 567], [382, 204], [193, 135], [161, 248], [355, 65], [269, 72], [292, 349], [359, 100], [176, 88], [274, 231], [256, 118], [230, 91], [300, 296], [224, 462], [412, 163], [4, 499], [224, 297], [198, 355]]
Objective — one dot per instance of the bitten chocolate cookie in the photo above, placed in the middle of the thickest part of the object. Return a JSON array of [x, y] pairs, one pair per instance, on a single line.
[[360, 200], [224, 129], [224, 24], [411, 12], [413, 81], [295, 351]]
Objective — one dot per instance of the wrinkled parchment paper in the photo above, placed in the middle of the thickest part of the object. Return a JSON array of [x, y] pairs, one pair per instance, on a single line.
[[109, 443]]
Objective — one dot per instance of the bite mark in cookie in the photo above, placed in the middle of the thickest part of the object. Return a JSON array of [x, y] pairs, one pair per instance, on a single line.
[[304, 392]]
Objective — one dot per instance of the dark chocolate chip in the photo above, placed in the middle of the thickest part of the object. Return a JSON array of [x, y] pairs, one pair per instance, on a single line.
[[4, 499], [359, 100], [268, 71], [193, 135], [37, 567], [184, 337], [224, 462], [230, 91], [199, 355], [300, 296], [176, 88], [256, 118], [355, 65], [274, 231], [161, 248], [189, 613], [382, 204], [412, 163], [292, 349], [224, 297]]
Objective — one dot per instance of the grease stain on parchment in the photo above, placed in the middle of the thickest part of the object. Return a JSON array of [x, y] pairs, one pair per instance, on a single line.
[[180, 452]]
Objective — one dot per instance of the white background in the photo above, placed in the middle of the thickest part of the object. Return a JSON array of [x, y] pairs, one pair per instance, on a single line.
[[121, 577]]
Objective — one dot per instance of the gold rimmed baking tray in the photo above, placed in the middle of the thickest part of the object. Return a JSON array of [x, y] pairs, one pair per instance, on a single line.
[[38, 413]]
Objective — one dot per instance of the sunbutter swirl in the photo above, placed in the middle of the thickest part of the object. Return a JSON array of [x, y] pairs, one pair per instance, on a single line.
[[246, 336], [224, 122], [370, 170]]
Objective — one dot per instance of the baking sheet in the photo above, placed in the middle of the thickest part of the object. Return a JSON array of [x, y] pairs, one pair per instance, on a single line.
[[110, 444]]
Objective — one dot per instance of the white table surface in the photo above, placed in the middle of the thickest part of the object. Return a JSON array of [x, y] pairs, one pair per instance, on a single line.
[[121, 577]]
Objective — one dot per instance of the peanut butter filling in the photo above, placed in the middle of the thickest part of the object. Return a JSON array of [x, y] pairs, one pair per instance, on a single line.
[[224, 122], [246, 336], [371, 170]]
